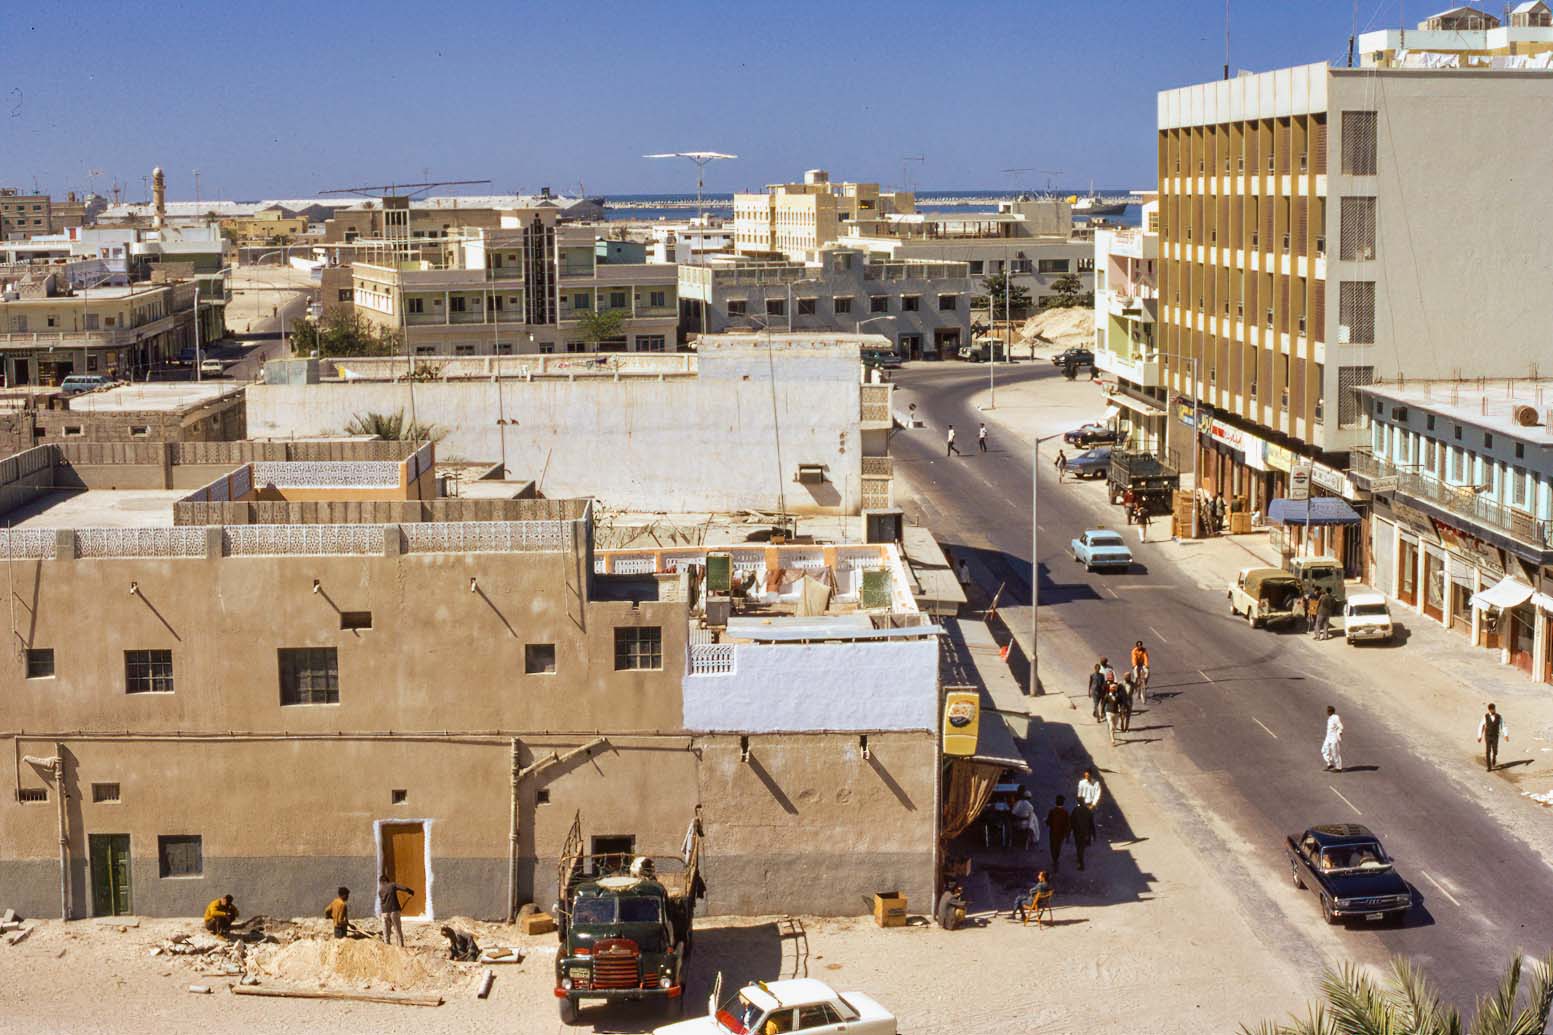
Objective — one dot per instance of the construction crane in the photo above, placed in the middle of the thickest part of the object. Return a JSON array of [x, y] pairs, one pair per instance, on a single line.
[[1050, 174], [702, 159], [395, 189], [906, 176]]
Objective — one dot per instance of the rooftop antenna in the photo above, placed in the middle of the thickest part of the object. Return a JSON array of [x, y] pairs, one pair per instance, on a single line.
[[701, 158], [196, 188], [1018, 176], [905, 175], [1226, 39]]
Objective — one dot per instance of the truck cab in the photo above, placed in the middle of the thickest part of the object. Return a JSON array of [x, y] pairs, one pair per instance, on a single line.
[[1264, 595], [624, 924], [1319, 573]]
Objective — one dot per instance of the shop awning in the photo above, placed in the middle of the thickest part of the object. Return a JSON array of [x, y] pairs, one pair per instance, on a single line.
[[1111, 413], [1318, 510], [1508, 592], [1147, 409], [1543, 601]]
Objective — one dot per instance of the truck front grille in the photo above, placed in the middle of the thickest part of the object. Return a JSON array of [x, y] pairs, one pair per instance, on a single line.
[[615, 968]]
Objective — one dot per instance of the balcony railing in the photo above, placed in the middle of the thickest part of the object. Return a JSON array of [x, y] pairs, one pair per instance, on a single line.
[[1460, 500]]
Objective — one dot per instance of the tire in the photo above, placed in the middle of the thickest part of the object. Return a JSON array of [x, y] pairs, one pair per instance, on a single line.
[[568, 1011], [1331, 918], [1294, 875], [1089, 568], [1350, 640], [1251, 617]]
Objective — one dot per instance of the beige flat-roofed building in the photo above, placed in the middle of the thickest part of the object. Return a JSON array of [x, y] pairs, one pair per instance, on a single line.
[[796, 219]]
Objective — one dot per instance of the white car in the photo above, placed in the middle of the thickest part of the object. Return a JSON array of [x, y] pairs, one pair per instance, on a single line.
[[1101, 548], [802, 1005], [212, 368], [1366, 617]]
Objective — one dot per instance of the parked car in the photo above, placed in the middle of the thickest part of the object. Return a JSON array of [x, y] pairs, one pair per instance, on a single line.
[[75, 384], [1264, 596], [1093, 463], [1347, 867], [1319, 572], [884, 359], [1366, 617], [801, 1005], [983, 350], [1092, 434], [1101, 548], [187, 356], [1077, 355], [212, 368]]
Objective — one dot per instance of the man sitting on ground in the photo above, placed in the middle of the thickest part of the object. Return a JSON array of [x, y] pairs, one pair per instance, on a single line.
[[951, 908], [220, 915], [461, 946]]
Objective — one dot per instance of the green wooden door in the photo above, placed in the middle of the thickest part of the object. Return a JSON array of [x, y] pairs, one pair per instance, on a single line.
[[110, 874]]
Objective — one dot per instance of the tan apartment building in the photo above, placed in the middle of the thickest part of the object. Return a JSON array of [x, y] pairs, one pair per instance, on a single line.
[[24, 215], [1321, 228], [272, 225], [49, 330], [161, 411], [796, 219], [302, 668], [1466, 37]]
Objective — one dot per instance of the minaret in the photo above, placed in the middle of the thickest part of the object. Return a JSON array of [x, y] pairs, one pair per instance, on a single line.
[[159, 196]]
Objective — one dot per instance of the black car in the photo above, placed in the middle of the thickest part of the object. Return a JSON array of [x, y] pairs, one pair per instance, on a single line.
[[1094, 463], [1078, 356], [1347, 867], [1092, 435]]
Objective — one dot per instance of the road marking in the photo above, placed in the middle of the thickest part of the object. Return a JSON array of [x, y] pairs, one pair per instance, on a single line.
[[1143, 585], [1111, 591], [1205, 675], [1437, 884], [1158, 635], [1346, 801], [1262, 724]]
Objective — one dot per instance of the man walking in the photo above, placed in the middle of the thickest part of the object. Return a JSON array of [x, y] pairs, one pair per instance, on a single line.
[[949, 443], [1082, 821], [1061, 464], [389, 905], [1491, 730], [1023, 814], [1097, 693], [1057, 828], [981, 438], [1332, 746], [1089, 790], [1325, 606], [1113, 710]]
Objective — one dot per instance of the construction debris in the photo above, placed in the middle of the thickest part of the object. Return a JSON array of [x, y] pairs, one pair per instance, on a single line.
[[120, 922], [8, 917], [200, 989], [356, 997], [537, 923], [486, 980], [17, 937], [11, 926]]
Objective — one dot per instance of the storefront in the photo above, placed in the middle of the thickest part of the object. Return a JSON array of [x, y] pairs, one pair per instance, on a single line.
[[1143, 420]]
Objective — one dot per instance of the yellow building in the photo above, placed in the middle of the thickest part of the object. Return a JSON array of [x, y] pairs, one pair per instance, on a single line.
[[797, 219], [273, 225]]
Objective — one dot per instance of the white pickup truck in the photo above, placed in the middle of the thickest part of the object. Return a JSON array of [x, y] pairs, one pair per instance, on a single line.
[[777, 1007]]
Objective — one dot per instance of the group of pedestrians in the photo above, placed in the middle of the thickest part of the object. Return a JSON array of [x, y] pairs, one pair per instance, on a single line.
[[1319, 606], [950, 449], [1061, 823], [1112, 699]]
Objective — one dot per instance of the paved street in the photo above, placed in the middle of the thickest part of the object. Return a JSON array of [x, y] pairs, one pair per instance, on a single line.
[[1231, 749]]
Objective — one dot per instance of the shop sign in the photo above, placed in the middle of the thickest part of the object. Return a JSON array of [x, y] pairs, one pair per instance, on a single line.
[[1470, 547], [1299, 481], [1414, 518], [1256, 456], [1332, 480], [1184, 414], [1278, 458], [1228, 435], [962, 721], [1389, 483]]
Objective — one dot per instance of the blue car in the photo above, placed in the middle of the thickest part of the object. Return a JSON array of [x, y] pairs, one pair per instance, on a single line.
[[1092, 463], [1101, 548]]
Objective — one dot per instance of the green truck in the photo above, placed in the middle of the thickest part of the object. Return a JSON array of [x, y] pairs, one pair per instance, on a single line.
[[624, 922]]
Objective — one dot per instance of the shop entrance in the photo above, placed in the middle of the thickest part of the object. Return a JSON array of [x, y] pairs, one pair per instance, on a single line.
[[1434, 586], [1521, 634], [1407, 573]]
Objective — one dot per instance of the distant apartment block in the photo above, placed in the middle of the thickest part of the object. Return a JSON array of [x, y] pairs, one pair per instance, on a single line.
[[1315, 237], [922, 308], [796, 219], [1126, 311], [1466, 37]]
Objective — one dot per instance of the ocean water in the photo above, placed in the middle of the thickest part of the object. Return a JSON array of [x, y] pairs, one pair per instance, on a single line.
[[722, 205]]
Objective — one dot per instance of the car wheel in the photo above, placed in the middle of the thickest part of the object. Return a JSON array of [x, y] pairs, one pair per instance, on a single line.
[[1326, 911], [568, 1011], [1350, 640], [1294, 875], [1252, 618], [1089, 568]]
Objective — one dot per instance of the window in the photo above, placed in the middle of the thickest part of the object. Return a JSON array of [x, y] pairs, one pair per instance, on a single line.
[[1051, 265], [32, 795], [580, 300], [817, 1016], [547, 348], [737, 307], [344, 295], [657, 299], [806, 306], [617, 300], [776, 307], [463, 350], [355, 619], [1356, 312], [539, 659], [148, 672], [139, 431], [309, 675], [1488, 441], [948, 303], [1356, 229], [1086, 264], [1456, 433], [1518, 481], [638, 647], [542, 796], [1429, 422], [89, 321], [878, 303], [1358, 128], [418, 305], [977, 267], [843, 305], [651, 343], [398, 796], [455, 304], [105, 793], [911, 303], [180, 856], [40, 663], [73, 430], [1349, 406]]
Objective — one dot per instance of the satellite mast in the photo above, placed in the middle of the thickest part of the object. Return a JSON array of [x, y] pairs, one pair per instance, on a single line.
[[905, 175], [701, 158]]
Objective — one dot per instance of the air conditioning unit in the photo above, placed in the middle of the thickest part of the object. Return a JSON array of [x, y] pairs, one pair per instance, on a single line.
[[717, 611]]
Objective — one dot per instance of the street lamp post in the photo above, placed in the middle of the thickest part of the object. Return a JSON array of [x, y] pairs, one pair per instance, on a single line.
[[1035, 562]]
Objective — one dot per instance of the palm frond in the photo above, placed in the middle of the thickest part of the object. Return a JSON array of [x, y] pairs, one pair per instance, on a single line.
[[1417, 1003], [1533, 1019], [1357, 1005], [1496, 1012]]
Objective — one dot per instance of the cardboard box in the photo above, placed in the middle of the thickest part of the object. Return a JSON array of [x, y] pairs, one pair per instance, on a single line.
[[537, 923], [889, 909]]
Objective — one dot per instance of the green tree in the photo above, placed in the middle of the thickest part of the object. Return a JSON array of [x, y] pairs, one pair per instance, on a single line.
[[393, 426], [599, 327], [1069, 293], [344, 333], [1407, 1003], [1002, 294]]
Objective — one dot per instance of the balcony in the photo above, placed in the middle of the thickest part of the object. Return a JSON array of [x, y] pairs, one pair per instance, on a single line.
[[1140, 368], [1458, 500], [85, 339]]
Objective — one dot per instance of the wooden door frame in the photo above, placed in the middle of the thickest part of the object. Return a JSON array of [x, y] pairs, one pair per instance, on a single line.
[[377, 842], [93, 876]]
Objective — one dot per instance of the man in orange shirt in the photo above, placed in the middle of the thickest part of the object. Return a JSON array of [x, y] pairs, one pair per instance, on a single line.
[[340, 912], [220, 915], [1140, 670]]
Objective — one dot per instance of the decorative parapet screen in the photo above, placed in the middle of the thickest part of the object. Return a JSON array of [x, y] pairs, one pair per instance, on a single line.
[[488, 536], [300, 540], [140, 542], [330, 474], [712, 659], [19, 543]]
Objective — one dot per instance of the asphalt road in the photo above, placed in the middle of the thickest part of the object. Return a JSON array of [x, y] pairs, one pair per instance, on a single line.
[[1236, 748]]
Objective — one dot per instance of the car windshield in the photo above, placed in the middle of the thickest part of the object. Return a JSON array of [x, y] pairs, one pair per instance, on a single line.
[[738, 1015], [1377, 610], [1105, 539], [1097, 454], [1364, 856], [640, 910], [1320, 573], [594, 911]]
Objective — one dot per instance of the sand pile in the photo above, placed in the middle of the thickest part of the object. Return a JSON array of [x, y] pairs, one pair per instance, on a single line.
[[358, 963], [1062, 327]]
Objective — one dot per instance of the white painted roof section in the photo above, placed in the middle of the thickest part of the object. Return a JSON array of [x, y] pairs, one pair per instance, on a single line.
[[162, 397], [800, 991], [1490, 406], [1299, 90]]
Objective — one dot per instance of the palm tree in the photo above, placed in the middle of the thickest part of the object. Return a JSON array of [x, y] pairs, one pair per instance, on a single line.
[[1407, 1003], [393, 426]]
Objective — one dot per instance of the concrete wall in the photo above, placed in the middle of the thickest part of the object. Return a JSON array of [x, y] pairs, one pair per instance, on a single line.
[[887, 685], [684, 444], [806, 825]]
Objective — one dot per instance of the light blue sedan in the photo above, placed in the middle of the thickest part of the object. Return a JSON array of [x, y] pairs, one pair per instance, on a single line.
[[1101, 548]]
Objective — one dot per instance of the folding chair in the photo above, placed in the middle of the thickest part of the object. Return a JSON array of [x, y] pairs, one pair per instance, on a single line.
[[1043, 904]]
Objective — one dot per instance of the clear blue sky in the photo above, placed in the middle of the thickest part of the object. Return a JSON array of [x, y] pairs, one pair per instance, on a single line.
[[287, 99]]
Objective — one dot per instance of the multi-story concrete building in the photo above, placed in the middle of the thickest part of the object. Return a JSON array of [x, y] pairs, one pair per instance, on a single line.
[[163, 411], [272, 224], [1126, 309], [49, 331], [1465, 37], [921, 308], [782, 423], [1274, 186], [23, 215], [268, 669], [797, 219], [1461, 529]]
